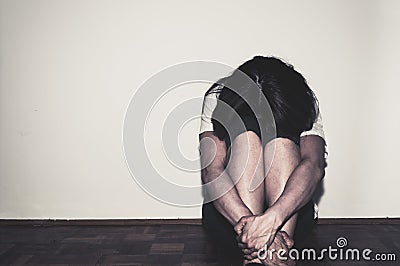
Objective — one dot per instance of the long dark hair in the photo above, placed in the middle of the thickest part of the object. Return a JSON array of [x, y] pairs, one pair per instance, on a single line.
[[292, 102]]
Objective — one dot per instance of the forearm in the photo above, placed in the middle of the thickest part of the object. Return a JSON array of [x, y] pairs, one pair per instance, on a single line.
[[298, 190], [230, 205]]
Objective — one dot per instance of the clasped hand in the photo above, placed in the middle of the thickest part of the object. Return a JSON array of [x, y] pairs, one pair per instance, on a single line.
[[261, 232]]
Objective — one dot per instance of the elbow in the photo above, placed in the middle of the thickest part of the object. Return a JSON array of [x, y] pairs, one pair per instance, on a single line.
[[317, 168], [205, 177], [320, 172], [208, 175], [321, 167]]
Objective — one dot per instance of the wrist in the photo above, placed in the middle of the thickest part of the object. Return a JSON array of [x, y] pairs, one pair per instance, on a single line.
[[278, 213], [243, 213]]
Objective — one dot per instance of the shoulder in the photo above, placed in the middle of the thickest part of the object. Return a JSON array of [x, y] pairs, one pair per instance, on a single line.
[[210, 98], [317, 127]]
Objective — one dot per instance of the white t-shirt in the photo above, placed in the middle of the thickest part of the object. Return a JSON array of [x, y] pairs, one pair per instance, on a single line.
[[210, 102]]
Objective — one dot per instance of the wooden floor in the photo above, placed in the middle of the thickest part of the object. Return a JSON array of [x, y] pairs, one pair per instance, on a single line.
[[164, 244]]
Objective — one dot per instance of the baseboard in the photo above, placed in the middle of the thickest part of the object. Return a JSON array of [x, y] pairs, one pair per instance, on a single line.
[[122, 222], [115, 222], [359, 221]]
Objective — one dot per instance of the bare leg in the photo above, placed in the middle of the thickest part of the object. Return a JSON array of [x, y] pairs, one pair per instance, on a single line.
[[246, 163], [281, 157]]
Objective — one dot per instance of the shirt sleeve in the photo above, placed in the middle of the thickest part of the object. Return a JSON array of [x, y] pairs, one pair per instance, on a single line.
[[209, 104], [317, 128]]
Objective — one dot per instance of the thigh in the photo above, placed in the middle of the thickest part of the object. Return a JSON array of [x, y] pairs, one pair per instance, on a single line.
[[281, 157]]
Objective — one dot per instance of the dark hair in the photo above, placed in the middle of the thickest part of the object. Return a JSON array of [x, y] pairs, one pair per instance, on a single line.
[[292, 102]]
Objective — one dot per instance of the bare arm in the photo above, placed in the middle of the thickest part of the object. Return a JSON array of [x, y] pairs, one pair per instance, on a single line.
[[213, 153]]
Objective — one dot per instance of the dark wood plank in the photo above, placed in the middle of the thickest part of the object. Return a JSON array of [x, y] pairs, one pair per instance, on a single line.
[[169, 244]]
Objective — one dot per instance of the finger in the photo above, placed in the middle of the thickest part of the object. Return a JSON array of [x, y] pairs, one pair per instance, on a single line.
[[242, 239], [254, 244], [239, 226], [259, 242], [273, 257], [242, 245], [239, 229], [285, 238], [280, 243], [288, 240], [282, 246], [279, 258], [267, 259], [251, 256], [248, 251]]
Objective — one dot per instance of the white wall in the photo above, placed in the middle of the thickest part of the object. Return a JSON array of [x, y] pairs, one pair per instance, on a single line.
[[69, 69]]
